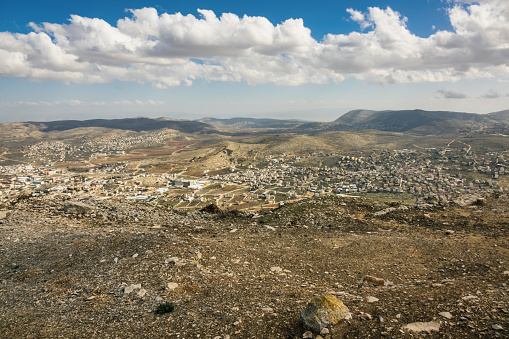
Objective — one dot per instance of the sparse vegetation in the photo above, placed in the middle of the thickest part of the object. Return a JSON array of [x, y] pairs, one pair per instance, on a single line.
[[165, 307]]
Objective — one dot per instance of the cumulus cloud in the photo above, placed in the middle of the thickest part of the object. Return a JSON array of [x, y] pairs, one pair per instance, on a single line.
[[166, 50], [450, 94]]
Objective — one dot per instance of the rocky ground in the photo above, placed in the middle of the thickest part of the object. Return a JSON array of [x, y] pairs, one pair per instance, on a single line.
[[100, 269]]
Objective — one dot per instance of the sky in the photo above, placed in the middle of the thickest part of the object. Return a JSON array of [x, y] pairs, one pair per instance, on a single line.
[[310, 60]]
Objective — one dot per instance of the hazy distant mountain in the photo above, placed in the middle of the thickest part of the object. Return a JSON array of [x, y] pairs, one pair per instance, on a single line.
[[355, 116], [243, 123], [130, 124], [417, 120], [413, 121], [502, 116]]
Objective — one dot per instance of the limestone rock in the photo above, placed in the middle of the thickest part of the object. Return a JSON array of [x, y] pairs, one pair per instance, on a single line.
[[322, 311], [276, 269], [131, 288], [371, 299], [171, 286], [447, 315], [497, 327], [423, 326]]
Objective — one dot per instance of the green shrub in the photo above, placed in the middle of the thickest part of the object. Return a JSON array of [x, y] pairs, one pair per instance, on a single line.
[[165, 308]]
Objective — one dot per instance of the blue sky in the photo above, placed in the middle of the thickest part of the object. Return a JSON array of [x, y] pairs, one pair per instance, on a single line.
[[310, 60]]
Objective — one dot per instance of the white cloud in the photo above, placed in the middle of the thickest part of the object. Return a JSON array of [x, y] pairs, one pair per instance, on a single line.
[[359, 18], [166, 50]]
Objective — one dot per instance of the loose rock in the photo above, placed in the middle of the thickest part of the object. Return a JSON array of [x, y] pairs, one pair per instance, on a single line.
[[497, 327], [447, 315], [423, 326], [373, 280]]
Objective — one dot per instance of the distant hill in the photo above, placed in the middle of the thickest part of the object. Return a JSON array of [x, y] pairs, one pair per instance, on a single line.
[[502, 116], [243, 123], [130, 124], [355, 116], [412, 121], [417, 120]]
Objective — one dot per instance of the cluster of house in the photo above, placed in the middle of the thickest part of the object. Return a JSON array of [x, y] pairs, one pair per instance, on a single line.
[[112, 145], [423, 173]]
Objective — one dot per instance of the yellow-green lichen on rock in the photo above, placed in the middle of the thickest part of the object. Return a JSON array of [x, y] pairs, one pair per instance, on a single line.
[[322, 311]]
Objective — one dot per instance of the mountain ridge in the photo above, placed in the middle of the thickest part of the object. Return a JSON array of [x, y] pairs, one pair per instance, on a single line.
[[408, 121]]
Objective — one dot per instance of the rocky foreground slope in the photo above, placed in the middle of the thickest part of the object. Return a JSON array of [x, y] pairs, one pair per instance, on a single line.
[[74, 269]]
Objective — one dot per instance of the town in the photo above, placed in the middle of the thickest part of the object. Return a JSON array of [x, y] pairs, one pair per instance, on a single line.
[[431, 175]]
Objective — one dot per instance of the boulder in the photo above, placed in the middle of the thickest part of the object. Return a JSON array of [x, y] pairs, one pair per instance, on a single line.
[[322, 311]]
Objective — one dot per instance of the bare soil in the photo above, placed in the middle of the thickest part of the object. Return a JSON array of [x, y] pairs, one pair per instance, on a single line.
[[65, 273]]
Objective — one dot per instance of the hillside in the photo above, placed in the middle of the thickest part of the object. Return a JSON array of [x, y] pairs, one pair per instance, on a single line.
[[247, 123], [103, 271], [354, 117], [426, 122], [502, 116], [130, 124]]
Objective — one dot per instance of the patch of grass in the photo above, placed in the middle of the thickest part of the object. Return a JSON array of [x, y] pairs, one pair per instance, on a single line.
[[165, 307]]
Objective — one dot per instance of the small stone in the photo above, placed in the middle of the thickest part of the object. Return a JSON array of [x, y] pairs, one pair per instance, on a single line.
[[324, 331], [267, 309], [158, 298], [276, 269], [372, 280], [423, 326], [135, 255], [171, 286], [497, 327], [447, 315], [307, 334], [269, 228], [142, 292], [371, 299], [130, 288], [322, 311], [470, 298], [365, 316], [449, 232]]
